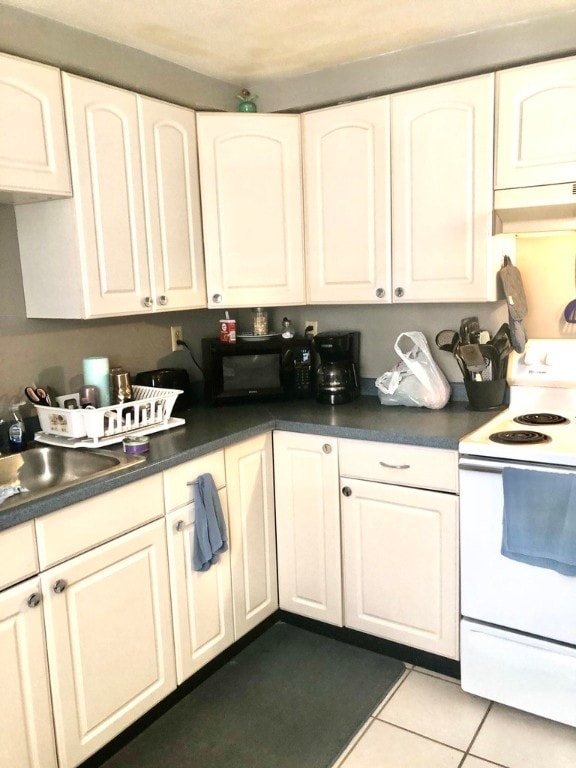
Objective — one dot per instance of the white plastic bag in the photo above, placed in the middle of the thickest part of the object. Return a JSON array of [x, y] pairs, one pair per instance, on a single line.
[[416, 379]]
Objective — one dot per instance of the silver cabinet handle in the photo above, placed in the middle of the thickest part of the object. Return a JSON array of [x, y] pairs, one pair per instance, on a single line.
[[34, 600], [394, 466], [327, 448], [162, 300], [59, 586], [399, 292], [180, 525], [380, 293], [147, 301], [217, 298], [347, 491]]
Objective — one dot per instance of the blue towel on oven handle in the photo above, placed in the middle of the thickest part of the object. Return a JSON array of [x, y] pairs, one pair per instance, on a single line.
[[539, 520], [210, 535]]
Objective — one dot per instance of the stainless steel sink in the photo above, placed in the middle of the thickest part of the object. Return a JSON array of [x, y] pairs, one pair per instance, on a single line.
[[39, 471]]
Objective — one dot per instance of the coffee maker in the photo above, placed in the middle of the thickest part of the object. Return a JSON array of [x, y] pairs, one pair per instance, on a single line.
[[337, 370]]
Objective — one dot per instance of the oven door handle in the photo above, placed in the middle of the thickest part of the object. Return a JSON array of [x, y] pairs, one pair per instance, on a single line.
[[491, 470]]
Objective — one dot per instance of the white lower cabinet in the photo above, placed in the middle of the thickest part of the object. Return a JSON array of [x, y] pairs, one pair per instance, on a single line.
[[27, 732], [214, 608], [109, 637], [308, 525], [250, 488], [400, 545]]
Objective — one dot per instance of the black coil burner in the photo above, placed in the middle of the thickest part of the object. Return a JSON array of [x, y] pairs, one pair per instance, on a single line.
[[520, 437], [545, 419]]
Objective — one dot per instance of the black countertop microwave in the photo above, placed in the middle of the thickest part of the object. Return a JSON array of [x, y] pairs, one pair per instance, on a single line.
[[271, 368]]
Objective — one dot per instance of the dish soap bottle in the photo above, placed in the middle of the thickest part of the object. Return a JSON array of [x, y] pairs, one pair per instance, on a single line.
[[16, 433]]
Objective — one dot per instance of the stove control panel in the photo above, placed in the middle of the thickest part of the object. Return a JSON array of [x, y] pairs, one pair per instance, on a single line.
[[544, 363]]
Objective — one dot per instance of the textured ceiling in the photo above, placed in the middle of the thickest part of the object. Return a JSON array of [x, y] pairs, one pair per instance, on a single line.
[[242, 40]]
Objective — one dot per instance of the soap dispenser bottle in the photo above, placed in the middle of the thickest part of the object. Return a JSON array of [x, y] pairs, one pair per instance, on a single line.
[[16, 432]]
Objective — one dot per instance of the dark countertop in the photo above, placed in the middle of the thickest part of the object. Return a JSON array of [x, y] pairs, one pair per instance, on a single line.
[[209, 429]]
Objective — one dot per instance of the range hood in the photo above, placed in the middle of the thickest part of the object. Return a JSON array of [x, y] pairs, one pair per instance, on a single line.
[[536, 209]]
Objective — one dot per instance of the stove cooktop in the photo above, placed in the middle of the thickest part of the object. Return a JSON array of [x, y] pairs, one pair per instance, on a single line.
[[539, 425]]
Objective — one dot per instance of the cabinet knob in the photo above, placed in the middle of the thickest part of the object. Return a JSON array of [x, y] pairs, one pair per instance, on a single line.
[[347, 491], [162, 300], [59, 586], [180, 525], [34, 600], [380, 293], [399, 292], [327, 448], [147, 301], [217, 298]]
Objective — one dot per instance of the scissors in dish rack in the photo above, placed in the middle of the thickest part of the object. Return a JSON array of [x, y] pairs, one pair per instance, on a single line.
[[37, 395]]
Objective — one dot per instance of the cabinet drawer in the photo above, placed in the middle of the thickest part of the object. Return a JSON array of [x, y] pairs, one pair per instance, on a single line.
[[82, 526], [177, 490], [411, 465], [17, 554]]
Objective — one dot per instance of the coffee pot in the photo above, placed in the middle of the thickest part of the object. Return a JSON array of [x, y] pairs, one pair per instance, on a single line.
[[337, 372]]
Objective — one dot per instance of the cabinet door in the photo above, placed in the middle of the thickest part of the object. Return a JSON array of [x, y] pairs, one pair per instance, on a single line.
[[251, 184], [168, 136], [442, 158], [346, 158], [250, 489], [400, 555], [27, 735], [536, 120], [34, 154], [109, 635], [107, 178], [308, 525], [201, 600]]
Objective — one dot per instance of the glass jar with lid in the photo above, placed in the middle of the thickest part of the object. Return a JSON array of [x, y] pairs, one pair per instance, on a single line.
[[260, 321]]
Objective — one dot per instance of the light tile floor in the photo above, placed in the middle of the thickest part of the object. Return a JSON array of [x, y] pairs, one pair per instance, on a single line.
[[428, 721]]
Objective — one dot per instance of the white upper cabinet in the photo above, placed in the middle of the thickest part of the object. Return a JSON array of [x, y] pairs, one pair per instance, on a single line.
[[442, 171], [171, 188], [536, 125], [346, 160], [129, 240], [33, 150], [251, 186]]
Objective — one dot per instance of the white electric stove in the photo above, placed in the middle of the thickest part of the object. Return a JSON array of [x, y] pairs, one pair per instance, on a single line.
[[518, 627]]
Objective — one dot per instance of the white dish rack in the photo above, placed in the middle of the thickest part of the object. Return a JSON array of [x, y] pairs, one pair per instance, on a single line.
[[149, 412]]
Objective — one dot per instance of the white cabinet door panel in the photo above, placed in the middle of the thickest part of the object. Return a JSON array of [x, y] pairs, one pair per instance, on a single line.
[[308, 525], [168, 136], [442, 170], [27, 731], [110, 642], [346, 158], [201, 600], [401, 564], [536, 119], [250, 487]]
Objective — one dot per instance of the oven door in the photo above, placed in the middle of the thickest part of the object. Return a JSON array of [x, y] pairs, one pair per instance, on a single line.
[[494, 588]]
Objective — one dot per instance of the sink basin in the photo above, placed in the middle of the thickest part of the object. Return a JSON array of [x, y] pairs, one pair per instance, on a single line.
[[39, 471]]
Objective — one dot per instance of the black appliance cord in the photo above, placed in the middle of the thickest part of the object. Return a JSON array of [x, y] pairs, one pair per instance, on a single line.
[[182, 343]]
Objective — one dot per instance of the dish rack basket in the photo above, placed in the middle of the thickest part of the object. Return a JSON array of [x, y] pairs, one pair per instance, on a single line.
[[149, 412]]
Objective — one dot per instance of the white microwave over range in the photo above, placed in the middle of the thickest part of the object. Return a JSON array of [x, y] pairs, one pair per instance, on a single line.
[[518, 540]]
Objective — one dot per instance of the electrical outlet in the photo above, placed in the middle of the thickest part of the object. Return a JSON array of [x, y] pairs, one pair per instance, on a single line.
[[313, 323], [176, 335]]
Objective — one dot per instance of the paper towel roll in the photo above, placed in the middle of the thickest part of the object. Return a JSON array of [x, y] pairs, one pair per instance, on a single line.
[[96, 371]]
